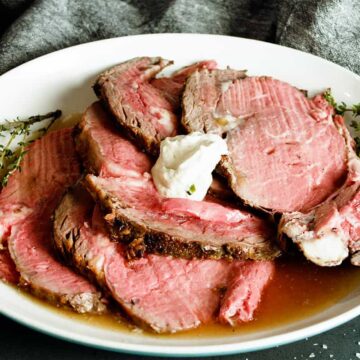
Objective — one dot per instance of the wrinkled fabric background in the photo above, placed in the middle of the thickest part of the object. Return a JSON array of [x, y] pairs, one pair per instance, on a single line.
[[328, 28]]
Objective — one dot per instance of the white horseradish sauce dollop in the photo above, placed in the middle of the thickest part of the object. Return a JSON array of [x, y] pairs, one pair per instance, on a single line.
[[185, 164]]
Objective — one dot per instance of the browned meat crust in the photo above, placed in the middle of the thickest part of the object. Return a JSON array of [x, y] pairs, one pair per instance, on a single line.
[[141, 238], [142, 132]]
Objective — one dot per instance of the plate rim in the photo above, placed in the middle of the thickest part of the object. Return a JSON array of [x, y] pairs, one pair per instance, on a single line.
[[187, 350], [263, 43]]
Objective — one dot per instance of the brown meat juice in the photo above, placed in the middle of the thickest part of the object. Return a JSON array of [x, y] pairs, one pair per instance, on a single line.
[[298, 289]]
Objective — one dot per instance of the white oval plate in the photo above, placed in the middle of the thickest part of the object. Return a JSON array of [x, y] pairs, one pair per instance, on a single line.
[[63, 80]]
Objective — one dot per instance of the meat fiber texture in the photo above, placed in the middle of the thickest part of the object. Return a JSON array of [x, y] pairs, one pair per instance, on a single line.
[[173, 87], [137, 215], [158, 292], [279, 141], [145, 107], [102, 148], [331, 231], [26, 207]]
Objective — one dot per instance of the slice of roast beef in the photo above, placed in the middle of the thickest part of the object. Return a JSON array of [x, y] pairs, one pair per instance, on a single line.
[[137, 214], [108, 154], [139, 107], [49, 166], [244, 290], [104, 150], [8, 272], [280, 142], [26, 207], [172, 87], [145, 107], [158, 292], [30, 246], [330, 231], [202, 93]]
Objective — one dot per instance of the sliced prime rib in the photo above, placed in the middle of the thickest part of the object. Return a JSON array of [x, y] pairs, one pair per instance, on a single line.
[[172, 87], [104, 150], [201, 95], [139, 107], [137, 214], [30, 246], [8, 272], [285, 151], [330, 231], [143, 106], [50, 165], [158, 292], [125, 190], [26, 207]]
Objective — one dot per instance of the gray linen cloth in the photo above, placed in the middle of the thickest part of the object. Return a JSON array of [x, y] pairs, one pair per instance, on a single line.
[[328, 28]]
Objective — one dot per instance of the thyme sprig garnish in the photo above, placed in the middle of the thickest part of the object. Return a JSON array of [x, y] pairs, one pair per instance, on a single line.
[[341, 109], [10, 160]]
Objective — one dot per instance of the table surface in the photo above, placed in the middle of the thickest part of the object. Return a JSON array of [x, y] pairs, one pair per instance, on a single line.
[[20, 343]]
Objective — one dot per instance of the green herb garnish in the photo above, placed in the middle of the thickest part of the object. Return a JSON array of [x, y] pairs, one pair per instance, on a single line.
[[329, 98], [191, 189], [10, 160], [356, 109], [341, 108]]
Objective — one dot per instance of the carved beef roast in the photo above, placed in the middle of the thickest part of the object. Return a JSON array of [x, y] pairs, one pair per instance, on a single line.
[[158, 292], [144, 107], [136, 214], [330, 231], [26, 207], [285, 151]]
